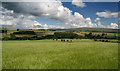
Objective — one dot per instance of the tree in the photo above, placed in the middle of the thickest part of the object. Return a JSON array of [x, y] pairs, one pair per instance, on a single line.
[[103, 34], [90, 33], [67, 40], [12, 36], [4, 30], [18, 29], [5, 38]]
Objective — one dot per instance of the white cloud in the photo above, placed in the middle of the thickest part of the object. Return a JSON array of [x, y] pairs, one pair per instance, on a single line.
[[107, 14], [20, 14], [45, 26], [52, 10], [90, 24], [99, 25], [97, 19], [113, 26], [76, 14], [78, 3]]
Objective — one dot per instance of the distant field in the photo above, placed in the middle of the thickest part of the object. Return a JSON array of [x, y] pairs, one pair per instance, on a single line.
[[51, 54]]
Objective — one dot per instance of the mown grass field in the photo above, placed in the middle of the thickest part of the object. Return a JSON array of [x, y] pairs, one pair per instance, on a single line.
[[51, 54]]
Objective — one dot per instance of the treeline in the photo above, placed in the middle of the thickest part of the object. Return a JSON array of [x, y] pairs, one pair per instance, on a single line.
[[25, 32], [66, 35], [3, 31], [56, 35], [98, 36]]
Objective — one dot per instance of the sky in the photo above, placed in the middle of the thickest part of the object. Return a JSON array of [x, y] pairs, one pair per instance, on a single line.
[[59, 15]]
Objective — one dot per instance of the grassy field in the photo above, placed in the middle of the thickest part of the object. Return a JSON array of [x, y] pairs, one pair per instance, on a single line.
[[51, 54]]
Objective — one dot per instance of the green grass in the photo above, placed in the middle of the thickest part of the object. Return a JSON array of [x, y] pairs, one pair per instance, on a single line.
[[51, 54], [0, 55]]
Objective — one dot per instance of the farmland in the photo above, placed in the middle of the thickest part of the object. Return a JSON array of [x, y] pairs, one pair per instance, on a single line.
[[59, 49], [51, 54]]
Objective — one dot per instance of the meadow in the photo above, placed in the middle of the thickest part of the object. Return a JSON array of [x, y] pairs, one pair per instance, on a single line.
[[51, 54]]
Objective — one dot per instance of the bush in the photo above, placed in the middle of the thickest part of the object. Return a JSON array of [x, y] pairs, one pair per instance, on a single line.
[[12, 36], [95, 39], [106, 41], [18, 29], [5, 38]]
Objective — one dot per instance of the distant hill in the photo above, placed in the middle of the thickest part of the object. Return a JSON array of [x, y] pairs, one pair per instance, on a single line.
[[106, 30]]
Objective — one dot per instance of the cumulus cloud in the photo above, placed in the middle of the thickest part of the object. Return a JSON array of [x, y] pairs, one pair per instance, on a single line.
[[53, 10], [13, 20], [78, 3], [113, 26], [89, 21], [99, 25], [20, 15], [107, 14], [97, 19]]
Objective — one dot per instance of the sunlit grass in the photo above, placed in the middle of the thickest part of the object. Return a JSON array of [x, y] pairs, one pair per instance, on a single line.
[[51, 54]]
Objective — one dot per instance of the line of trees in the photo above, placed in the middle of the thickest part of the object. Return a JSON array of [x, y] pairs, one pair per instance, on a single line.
[[25, 32], [102, 36], [56, 35]]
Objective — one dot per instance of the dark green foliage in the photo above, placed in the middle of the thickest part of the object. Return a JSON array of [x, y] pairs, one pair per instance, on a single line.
[[5, 38], [4, 31], [89, 36], [67, 35], [103, 36], [18, 29], [25, 32], [67, 40], [12, 36], [95, 39], [48, 37]]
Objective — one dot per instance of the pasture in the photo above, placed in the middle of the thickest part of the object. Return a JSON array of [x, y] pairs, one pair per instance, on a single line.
[[51, 54]]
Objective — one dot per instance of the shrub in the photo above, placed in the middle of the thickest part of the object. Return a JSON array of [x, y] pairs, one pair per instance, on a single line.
[[103, 40], [67, 40], [95, 39], [18, 29], [12, 36], [5, 38]]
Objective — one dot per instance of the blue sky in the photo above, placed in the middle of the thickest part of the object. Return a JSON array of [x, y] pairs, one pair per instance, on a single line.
[[61, 14], [89, 11], [93, 7]]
